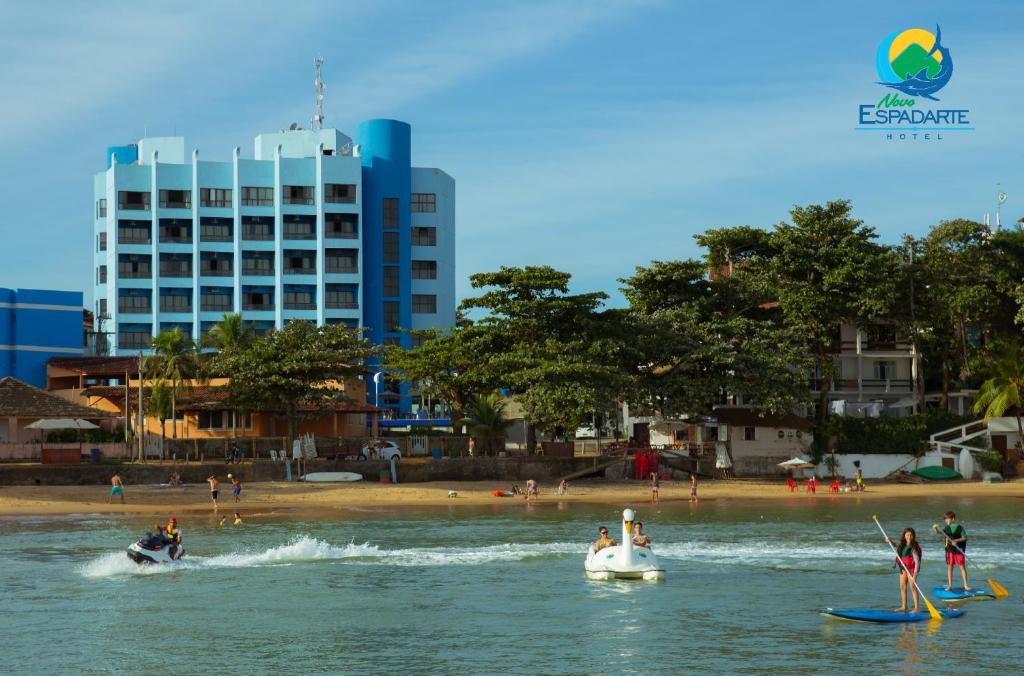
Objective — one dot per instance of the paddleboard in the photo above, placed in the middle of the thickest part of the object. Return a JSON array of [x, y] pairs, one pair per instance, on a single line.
[[325, 477], [958, 594], [886, 616]]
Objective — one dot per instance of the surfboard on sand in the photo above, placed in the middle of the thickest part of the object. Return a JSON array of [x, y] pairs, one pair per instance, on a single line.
[[328, 477], [887, 616]]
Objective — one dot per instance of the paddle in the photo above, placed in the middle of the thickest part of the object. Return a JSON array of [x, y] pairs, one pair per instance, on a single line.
[[997, 589], [928, 604]]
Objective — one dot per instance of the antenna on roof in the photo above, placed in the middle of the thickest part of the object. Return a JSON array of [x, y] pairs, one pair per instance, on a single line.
[[318, 116]]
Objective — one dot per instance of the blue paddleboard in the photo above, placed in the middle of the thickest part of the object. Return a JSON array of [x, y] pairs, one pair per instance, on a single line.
[[958, 594], [876, 615]]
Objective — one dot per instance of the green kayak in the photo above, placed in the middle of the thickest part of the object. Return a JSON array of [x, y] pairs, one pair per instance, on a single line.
[[938, 473]]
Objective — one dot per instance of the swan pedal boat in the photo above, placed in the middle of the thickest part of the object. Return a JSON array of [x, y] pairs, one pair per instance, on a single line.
[[624, 561]]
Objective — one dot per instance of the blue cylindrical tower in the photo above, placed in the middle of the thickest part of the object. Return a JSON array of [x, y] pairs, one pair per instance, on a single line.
[[385, 147]]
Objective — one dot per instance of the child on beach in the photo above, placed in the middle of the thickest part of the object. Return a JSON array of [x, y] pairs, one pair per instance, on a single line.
[[693, 487], [956, 546], [909, 553], [236, 488]]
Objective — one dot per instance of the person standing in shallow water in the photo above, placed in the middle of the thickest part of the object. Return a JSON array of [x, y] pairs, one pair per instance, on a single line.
[[654, 487], [212, 480], [693, 487]]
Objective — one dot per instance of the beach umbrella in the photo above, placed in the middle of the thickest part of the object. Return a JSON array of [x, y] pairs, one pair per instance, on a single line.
[[796, 463], [62, 424]]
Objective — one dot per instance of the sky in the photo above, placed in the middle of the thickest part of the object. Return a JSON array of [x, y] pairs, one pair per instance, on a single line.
[[591, 136]]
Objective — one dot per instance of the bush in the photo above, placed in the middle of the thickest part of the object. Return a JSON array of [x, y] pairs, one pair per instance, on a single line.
[[990, 461], [887, 435], [100, 436]]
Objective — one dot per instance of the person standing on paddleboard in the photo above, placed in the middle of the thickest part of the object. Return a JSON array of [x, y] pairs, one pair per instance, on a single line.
[[956, 546], [909, 553]]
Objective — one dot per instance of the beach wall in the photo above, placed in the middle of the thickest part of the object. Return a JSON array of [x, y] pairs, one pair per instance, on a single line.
[[31, 451], [499, 470], [879, 466]]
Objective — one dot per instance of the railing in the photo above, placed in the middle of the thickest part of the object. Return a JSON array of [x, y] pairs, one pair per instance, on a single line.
[[135, 309], [257, 306], [175, 272], [207, 237], [257, 272], [123, 238], [299, 306], [175, 204], [341, 269], [871, 385], [306, 234], [214, 307], [174, 307], [961, 433], [342, 305], [140, 274], [340, 234], [300, 271], [257, 236], [134, 341], [219, 272]]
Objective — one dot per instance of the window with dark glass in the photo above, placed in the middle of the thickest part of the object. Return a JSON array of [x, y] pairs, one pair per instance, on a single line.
[[258, 228], [340, 297], [103, 307], [101, 274], [339, 193], [299, 226], [215, 299], [424, 236], [390, 220], [424, 269], [297, 194], [215, 264], [101, 207], [134, 266], [390, 247], [175, 265], [103, 241], [298, 299], [215, 229], [257, 300], [178, 300], [257, 263], [424, 304], [175, 199], [341, 226], [134, 301], [134, 336], [133, 232], [257, 197], [299, 262], [175, 231], [215, 197], [424, 202], [133, 200], [391, 281], [391, 316], [341, 261]]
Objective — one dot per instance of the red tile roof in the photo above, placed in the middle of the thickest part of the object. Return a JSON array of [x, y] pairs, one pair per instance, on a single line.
[[109, 367], [21, 400]]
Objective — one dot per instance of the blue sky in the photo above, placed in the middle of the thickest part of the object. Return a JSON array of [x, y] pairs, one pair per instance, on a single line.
[[591, 136]]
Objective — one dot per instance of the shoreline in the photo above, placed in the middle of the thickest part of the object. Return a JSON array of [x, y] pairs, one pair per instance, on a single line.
[[332, 500]]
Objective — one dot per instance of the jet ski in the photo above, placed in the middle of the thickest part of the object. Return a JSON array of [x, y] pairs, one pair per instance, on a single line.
[[152, 548]]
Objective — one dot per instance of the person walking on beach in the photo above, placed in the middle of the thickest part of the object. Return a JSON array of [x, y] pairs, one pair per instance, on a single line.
[[860, 479], [956, 546], [236, 488], [693, 487], [909, 565], [212, 480], [654, 487], [531, 489], [116, 487]]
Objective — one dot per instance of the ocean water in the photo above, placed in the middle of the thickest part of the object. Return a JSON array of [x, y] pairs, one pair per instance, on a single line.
[[489, 590]]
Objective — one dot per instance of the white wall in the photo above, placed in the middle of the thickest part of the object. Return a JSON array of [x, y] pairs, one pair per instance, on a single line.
[[878, 466]]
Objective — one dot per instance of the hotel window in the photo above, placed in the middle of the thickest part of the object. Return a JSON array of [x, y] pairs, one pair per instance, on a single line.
[[134, 339], [133, 232], [215, 264], [339, 193], [340, 298], [341, 261], [391, 282], [175, 265], [175, 231], [258, 228], [213, 229], [885, 370], [175, 199], [424, 202], [424, 269], [215, 300], [101, 208], [390, 219], [391, 316], [390, 247], [257, 197], [260, 263], [133, 266], [258, 300], [176, 302], [298, 263], [132, 200], [424, 236], [101, 274], [297, 194], [424, 304], [298, 300], [341, 226], [224, 420], [103, 241], [299, 227], [103, 307], [134, 303], [215, 197]]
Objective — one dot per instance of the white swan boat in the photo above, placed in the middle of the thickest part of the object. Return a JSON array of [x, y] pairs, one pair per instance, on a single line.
[[624, 561]]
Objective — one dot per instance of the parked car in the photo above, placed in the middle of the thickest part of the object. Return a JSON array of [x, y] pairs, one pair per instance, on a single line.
[[382, 450]]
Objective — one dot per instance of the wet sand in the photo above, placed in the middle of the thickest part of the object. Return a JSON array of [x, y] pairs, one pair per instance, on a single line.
[[328, 499]]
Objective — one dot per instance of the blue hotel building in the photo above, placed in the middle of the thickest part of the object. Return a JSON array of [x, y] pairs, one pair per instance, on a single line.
[[34, 326], [315, 227]]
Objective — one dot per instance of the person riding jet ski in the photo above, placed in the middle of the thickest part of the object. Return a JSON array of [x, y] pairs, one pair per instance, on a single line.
[[172, 536]]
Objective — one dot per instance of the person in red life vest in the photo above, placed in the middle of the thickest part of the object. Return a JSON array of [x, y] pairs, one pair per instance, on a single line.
[[956, 545], [909, 564], [791, 484]]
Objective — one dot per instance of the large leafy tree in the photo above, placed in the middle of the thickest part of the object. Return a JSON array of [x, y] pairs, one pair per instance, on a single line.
[[176, 361], [550, 347], [230, 333], [298, 367], [1004, 389]]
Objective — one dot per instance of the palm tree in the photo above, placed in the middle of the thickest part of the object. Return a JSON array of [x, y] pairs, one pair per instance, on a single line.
[[175, 360], [1004, 390], [161, 406], [230, 333], [485, 419]]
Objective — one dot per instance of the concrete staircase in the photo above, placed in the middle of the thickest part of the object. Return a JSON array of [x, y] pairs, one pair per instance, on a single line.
[[954, 439]]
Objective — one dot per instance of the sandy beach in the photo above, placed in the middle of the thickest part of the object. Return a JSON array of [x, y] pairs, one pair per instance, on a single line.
[[281, 498]]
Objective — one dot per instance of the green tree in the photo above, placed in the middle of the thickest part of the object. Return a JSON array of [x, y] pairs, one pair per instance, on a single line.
[[230, 333], [548, 346], [295, 370], [1004, 389], [175, 360], [160, 405], [485, 420]]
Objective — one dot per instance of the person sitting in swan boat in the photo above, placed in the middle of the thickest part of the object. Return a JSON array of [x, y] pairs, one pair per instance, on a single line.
[[639, 539], [604, 540]]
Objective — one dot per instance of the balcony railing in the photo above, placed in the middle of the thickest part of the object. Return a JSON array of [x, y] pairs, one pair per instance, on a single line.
[[337, 269], [342, 305], [205, 306], [257, 272], [257, 306], [133, 341], [124, 238], [300, 271], [145, 273], [175, 271], [340, 234], [868, 385], [299, 306], [169, 306], [215, 272], [133, 309], [299, 234]]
